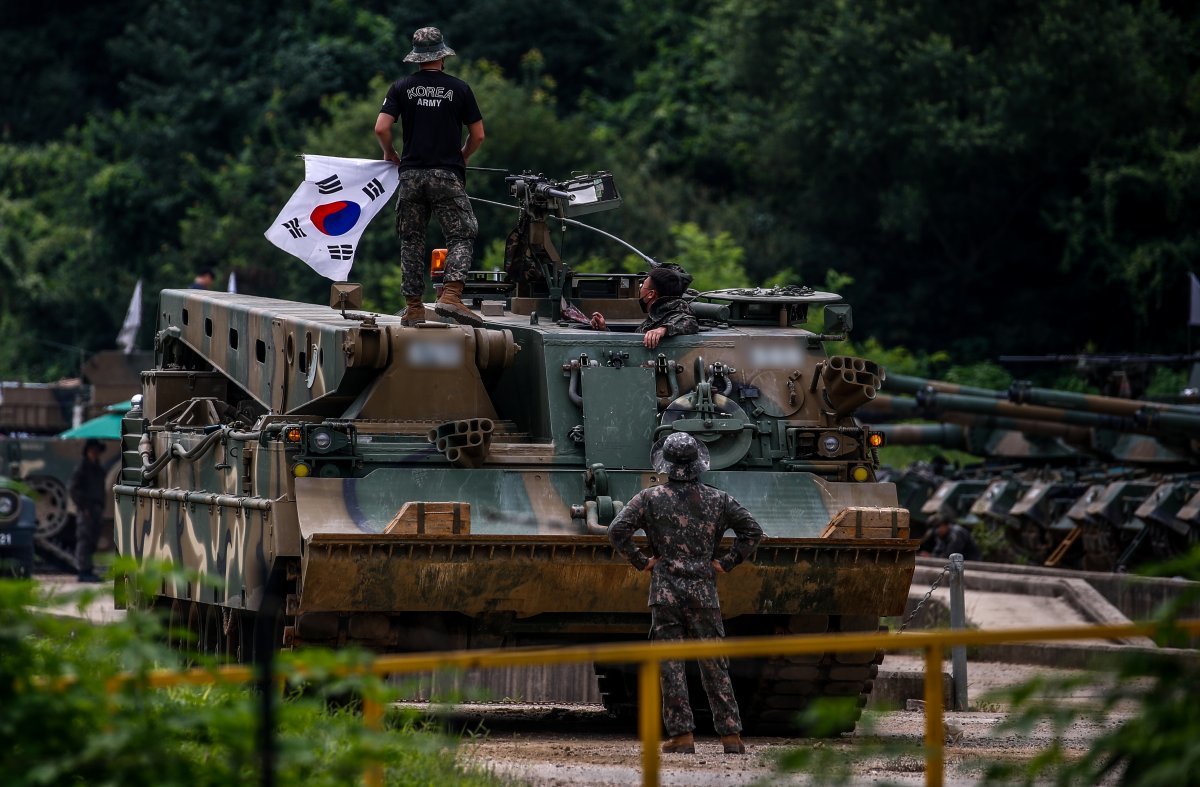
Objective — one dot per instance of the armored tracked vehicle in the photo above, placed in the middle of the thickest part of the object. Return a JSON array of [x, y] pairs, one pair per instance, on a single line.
[[1097, 482], [442, 486]]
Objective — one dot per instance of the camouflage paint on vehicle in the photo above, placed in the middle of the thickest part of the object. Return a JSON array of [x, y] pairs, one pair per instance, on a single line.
[[279, 445]]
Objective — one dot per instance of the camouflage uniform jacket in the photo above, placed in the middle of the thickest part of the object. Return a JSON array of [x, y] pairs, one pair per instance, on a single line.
[[684, 522], [672, 313]]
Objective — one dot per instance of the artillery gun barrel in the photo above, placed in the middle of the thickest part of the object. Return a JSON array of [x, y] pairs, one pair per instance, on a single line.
[[936, 400], [885, 407], [1076, 435], [903, 383], [947, 435], [1141, 411]]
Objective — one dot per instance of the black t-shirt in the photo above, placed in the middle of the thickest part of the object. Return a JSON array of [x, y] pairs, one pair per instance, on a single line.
[[432, 107]]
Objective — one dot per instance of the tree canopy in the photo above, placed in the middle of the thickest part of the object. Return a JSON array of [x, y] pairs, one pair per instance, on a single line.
[[991, 176]]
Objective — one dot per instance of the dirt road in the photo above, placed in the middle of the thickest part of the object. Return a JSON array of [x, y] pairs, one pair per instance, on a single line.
[[558, 746], [553, 745]]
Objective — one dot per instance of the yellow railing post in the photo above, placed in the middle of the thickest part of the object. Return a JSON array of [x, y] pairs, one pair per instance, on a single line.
[[935, 734], [373, 720], [649, 705]]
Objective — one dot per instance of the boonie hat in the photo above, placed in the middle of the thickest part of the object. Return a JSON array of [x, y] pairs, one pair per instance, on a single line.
[[680, 457], [428, 46]]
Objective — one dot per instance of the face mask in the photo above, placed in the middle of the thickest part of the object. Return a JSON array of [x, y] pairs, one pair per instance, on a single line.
[[644, 304]]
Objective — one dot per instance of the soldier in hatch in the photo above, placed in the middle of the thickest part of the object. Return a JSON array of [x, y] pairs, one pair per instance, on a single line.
[[432, 107], [684, 521], [667, 313]]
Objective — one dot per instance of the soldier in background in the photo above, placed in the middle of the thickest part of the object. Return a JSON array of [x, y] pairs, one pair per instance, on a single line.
[[205, 278], [684, 521], [432, 107], [88, 490], [948, 538], [667, 313]]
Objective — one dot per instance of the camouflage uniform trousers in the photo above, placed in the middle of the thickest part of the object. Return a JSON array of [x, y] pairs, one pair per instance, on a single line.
[[423, 192], [677, 623], [87, 535]]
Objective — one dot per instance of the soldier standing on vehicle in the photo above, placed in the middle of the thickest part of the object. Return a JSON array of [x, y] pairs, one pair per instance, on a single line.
[[684, 521], [88, 491], [433, 107], [667, 313]]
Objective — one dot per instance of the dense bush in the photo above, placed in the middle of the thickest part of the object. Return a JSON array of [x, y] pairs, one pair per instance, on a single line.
[[65, 719]]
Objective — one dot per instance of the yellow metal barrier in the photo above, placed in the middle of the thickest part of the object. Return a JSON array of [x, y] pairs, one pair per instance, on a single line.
[[649, 657]]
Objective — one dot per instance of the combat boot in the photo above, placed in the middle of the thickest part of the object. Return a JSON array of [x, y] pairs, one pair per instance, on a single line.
[[733, 744], [680, 744], [449, 304], [414, 312]]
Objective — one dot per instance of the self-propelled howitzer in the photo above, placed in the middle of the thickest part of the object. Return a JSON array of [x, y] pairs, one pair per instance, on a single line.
[[439, 486]]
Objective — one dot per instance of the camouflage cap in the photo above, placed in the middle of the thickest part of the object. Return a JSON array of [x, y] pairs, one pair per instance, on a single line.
[[428, 45], [680, 457]]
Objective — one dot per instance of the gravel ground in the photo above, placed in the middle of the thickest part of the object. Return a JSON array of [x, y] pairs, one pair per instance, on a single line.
[[559, 745]]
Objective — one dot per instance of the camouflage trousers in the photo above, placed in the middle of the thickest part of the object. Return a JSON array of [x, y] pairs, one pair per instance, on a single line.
[[87, 535], [675, 623], [438, 192]]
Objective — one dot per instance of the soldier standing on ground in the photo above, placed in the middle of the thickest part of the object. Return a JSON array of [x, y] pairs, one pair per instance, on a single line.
[[684, 521], [433, 107], [88, 491]]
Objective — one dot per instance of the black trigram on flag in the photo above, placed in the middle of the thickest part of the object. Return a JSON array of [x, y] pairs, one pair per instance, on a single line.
[[373, 189], [329, 185], [293, 226], [341, 252]]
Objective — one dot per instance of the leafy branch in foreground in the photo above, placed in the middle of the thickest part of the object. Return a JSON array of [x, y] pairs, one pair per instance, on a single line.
[[1146, 701], [66, 718]]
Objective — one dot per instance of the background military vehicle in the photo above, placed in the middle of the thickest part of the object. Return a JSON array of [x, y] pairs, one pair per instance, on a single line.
[[17, 527], [41, 446], [1095, 482], [439, 486]]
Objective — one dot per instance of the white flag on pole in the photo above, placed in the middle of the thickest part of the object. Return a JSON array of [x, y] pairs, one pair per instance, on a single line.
[[133, 320], [323, 221]]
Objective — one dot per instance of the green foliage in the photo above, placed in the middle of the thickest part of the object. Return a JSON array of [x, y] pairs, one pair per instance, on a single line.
[[715, 262], [62, 722], [978, 170], [1167, 382], [981, 375]]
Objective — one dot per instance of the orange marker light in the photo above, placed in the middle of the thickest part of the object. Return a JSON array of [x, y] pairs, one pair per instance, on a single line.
[[293, 434], [875, 439], [437, 261]]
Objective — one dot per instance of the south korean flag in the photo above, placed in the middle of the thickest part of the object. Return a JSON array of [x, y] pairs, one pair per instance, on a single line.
[[324, 219]]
